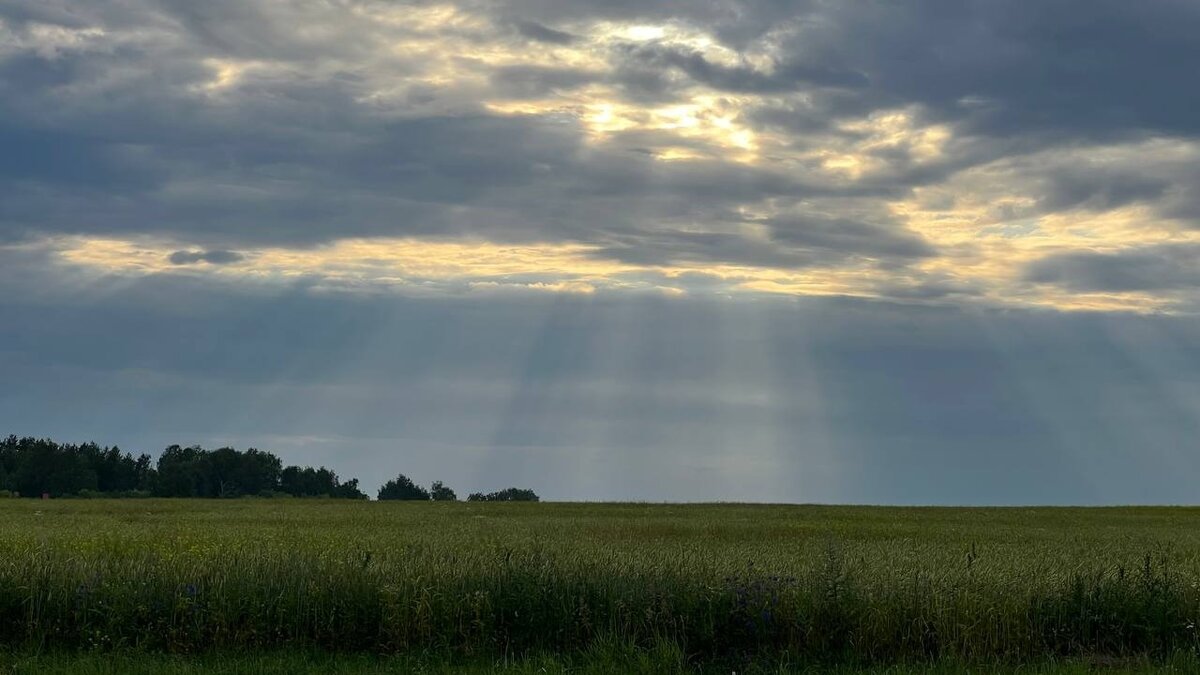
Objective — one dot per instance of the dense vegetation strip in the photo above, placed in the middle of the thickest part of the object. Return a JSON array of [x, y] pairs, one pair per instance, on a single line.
[[602, 659], [39, 467], [722, 584]]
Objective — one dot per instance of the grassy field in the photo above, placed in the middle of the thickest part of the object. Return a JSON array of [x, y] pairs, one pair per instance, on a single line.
[[625, 660], [86, 586]]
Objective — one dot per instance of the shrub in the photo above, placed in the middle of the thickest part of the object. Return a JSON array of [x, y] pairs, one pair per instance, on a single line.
[[116, 494]]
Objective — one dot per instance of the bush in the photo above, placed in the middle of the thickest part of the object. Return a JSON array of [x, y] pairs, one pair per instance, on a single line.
[[116, 494], [275, 494]]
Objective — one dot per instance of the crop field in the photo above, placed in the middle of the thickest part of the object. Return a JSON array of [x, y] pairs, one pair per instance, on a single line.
[[452, 587]]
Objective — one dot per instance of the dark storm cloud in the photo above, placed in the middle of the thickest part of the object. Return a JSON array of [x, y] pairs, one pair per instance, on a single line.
[[538, 81], [706, 248], [536, 31], [1183, 199], [785, 77], [850, 236], [216, 257], [815, 114], [1098, 70], [928, 291], [795, 242], [1100, 190], [21, 13], [69, 160], [736, 22], [276, 163], [1152, 268], [113, 133]]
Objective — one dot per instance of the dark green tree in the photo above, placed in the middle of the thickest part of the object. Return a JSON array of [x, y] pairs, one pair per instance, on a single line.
[[144, 471], [438, 492], [348, 490], [511, 494], [33, 466], [45, 467], [183, 472], [402, 488], [234, 473]]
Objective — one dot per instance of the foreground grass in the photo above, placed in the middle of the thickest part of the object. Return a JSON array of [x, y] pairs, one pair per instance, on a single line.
[[725, 585], [602, 661]]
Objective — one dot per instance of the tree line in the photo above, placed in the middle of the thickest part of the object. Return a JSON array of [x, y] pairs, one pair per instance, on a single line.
[[403, 488], [33, 467]]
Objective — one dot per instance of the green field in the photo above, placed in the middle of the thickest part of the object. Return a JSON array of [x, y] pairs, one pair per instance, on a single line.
[[221, 586]]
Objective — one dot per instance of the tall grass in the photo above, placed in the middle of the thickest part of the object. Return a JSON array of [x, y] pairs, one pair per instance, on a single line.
[[721, 583], [603, 659]]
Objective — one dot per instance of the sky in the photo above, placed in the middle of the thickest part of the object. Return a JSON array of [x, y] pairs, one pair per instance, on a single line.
[[929, 252]]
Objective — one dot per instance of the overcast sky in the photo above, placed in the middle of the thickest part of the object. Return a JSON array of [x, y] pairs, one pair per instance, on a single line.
[[940, 251]]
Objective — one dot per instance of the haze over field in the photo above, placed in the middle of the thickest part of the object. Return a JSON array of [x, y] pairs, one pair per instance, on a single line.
[[926, 252]]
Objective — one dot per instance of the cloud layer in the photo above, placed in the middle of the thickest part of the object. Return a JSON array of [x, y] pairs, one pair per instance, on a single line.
[[828, 148]]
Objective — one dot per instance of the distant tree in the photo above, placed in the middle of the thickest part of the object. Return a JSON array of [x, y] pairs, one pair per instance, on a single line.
[[511, 494], [438, 492], [8, 461], [402, 488], [223, 467], [183, 472], [44, 467], [295, 481], [235, 473], [309, 482], [115, 471], [144, 471], [72, 469], [348, 490], [33, 466], [36, 466]]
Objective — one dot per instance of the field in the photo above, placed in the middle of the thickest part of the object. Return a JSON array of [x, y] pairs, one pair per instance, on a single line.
[[262, 585]]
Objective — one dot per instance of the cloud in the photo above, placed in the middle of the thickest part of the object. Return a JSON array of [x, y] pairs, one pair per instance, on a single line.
[[999, 69], [539, 81], [741, 78], [536, 31], [1101, 190], [1151, 268], [665, 135], [852, 237], [216, 257], [791, 242]]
